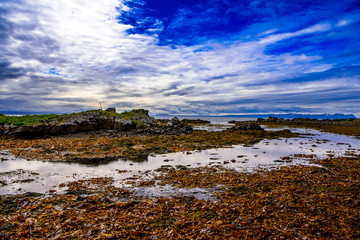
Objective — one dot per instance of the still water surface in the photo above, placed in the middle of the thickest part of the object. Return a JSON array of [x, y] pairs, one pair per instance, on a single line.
[[20, 175]]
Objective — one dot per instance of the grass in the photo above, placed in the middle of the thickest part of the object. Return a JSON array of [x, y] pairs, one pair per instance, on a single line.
[[25, 120]]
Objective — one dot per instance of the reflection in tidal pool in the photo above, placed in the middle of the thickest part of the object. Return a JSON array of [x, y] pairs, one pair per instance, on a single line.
[[19, 175]]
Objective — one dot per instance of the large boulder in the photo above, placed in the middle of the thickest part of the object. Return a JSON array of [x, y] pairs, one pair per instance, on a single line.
[[137, 121], [141, 116], [112, 110], [272, 119], [174, 122], [246, 126], [31, 130], [72, 123], [123, 125]]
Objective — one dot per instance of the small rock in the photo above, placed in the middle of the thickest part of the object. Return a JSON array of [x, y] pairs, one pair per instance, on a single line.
[[113, 110]]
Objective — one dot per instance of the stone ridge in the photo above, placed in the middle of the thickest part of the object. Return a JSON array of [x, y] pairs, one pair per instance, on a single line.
[[137, 121]]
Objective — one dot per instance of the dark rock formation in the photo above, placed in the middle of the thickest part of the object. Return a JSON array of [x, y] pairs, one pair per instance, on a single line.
[[174, 121], [195, 121], [136, 122], [81, 122], [175, 126], [246, 126], [142, 116], [112, 110], [336, 122]]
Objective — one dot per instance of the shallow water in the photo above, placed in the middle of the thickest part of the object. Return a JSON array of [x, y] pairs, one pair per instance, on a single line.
[[20, 175]]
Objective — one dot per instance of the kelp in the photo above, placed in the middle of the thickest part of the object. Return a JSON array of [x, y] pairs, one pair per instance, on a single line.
[[346, 128], [294, 202], [97, 149]]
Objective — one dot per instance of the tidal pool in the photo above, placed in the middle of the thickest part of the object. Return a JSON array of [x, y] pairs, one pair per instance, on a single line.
[[19, 175]]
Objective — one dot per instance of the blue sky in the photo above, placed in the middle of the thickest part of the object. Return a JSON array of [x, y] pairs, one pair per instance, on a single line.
[[191, 57]]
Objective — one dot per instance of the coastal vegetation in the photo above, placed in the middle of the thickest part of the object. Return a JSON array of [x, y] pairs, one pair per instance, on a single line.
[[319, 201], [90, 148], [339, 126], [33, 126], [26, 120], [297, 202]]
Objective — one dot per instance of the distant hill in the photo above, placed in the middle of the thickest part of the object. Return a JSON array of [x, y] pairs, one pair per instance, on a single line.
[[312, 116], [286, 116]]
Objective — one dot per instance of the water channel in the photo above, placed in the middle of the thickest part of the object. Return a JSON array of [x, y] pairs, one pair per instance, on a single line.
[[19, 175]]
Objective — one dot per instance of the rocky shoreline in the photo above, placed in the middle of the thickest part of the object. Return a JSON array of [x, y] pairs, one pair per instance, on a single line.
[[314, 202], [336, 122], [106, 123]]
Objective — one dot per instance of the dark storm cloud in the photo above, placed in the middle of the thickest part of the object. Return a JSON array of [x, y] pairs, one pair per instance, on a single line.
[[179, 92], [348, 72], [221, 77], [294, 99], [42, 47], [5, 28], [123, 105], [8, 72]]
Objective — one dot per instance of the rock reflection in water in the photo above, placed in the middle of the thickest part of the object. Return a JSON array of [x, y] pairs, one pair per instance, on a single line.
[[268, 153]]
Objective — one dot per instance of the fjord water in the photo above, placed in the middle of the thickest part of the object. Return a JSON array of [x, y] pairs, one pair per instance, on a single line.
[[20, 175]]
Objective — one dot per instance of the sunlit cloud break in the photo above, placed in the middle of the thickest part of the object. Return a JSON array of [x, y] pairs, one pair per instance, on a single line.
[[180, 57]]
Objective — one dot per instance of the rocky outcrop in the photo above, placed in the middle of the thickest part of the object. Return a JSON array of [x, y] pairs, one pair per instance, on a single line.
[[195, 121], [137, 122], [171, 127], [81, 122], [113, 110], [335, 122], [246, 126], [179, 126], [141, 116]]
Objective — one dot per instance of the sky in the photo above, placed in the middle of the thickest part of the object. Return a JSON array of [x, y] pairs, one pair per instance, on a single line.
[[181, 57]]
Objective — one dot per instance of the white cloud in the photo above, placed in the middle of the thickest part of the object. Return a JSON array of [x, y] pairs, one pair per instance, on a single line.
[[83, 40], [322, 27], [343, 22], [267, 32], [291, 59]]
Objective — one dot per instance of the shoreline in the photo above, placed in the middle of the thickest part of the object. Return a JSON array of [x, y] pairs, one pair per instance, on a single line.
[[299, 201]]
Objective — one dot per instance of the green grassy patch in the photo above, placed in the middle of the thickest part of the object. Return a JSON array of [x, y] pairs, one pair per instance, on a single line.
[[27, 119], [47, 118]]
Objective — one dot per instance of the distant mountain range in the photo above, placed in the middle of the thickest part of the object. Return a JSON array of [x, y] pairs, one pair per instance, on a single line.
[[290, 116], [312, 116]]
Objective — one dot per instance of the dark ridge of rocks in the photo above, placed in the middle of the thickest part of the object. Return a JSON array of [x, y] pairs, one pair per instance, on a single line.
[[137, 122], [185, 121], [142, 117], [336, 122], [195, 121], [171, 127], [82, 122], [113, 110], [246, 126]]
